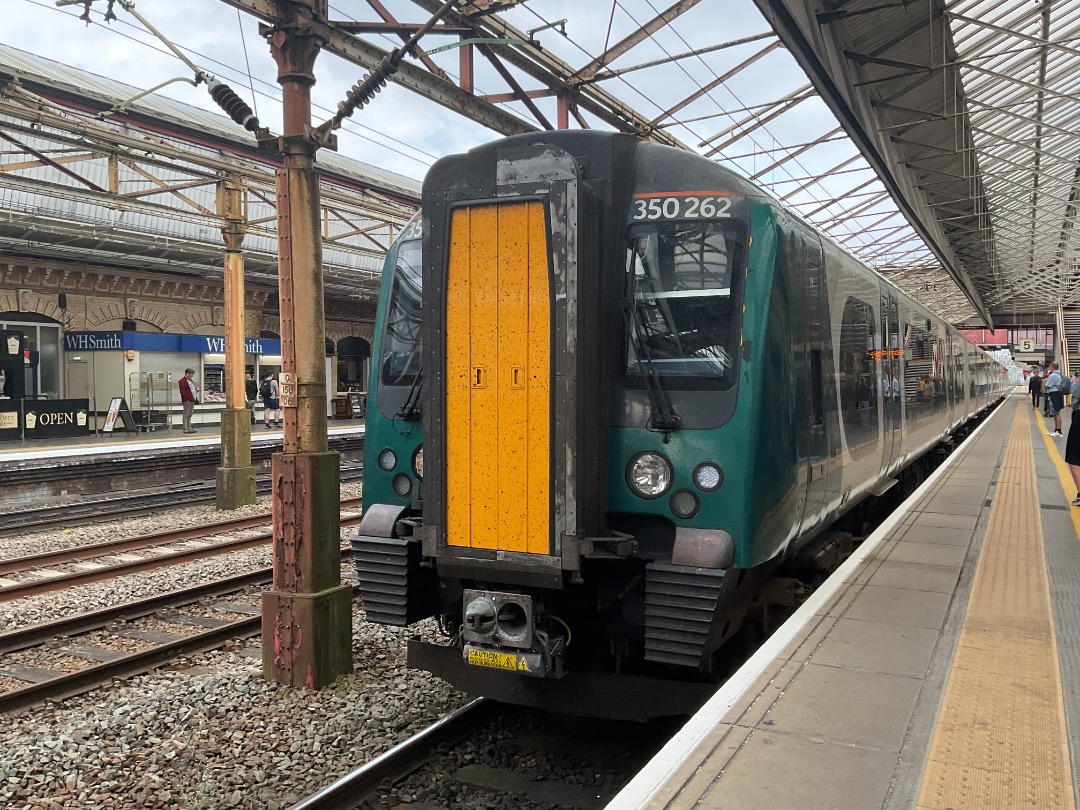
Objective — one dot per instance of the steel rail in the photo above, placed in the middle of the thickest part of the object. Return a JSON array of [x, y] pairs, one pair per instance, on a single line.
[[20, 639], [74, 683], [34, 587], [402, 759], [137, 503], [74, 553], [71, 684]]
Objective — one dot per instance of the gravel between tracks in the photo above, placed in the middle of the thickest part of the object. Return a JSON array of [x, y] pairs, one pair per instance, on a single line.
[[213, 735]]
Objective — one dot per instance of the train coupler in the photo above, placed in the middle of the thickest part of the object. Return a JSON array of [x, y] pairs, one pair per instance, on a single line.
[[499, 632]]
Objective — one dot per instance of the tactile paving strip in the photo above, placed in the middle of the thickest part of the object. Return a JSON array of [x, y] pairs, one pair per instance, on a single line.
[[1000, 739]]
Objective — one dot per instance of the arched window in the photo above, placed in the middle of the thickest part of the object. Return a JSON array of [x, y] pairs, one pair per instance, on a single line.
[[353, 354]]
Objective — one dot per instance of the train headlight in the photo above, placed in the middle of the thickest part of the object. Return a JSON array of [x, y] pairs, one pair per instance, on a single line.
[[649, 474], [387, 459], [418, 462], [708, 477], [402, 485], [684, 503]]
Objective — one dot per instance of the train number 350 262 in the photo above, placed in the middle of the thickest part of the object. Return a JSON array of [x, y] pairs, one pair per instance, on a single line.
[[682, 208]]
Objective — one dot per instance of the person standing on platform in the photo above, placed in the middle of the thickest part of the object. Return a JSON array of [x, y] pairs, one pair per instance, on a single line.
[[189, 397], [1055, 397], [1035, 389], [1045, 398], [1072, 444], [269, 392], [251, 393]]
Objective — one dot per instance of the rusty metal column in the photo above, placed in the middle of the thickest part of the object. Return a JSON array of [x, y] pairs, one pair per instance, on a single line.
[[235, 476], [307, 614]]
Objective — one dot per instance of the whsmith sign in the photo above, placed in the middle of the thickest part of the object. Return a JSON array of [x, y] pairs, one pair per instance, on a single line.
[[155, 342]]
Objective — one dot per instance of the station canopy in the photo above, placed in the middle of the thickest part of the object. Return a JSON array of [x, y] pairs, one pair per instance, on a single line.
[[934, 140]]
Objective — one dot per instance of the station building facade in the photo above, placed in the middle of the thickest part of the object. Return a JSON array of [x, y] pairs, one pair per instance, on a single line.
[[88, 335]]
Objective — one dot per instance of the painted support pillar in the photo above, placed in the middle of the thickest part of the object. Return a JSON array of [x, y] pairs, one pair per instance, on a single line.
[[465, 67], [307, 614], [236, 475]]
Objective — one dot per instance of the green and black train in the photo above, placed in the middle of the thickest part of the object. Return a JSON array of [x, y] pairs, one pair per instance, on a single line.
[[615, 387]]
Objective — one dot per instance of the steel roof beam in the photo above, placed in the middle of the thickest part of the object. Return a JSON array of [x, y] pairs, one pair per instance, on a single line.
[[367, 56], [775, 110], [604, 75], [794, 153], [706, 88], [1013, 33], [551, 71], [636, 38]]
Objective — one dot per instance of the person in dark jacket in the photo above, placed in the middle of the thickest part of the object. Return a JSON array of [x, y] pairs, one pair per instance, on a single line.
[[251, 393], [1035, 389]]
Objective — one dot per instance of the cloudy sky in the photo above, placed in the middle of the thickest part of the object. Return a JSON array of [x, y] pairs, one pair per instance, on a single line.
[[399, 131]]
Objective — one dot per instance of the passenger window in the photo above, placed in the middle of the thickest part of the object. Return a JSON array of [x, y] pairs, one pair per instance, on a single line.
[[858, 377]]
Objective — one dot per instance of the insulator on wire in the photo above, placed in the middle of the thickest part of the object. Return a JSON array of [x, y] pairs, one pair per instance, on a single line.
[[363, 91], [236, 108]]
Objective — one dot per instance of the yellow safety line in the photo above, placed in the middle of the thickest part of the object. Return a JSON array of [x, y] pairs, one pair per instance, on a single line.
[[1000, 738], [1067, 484]]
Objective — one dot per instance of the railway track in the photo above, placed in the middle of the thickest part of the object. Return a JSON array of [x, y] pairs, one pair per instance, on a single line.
[[364, 783], [486, 752], [113, 558], [103, 665], [130, 504]]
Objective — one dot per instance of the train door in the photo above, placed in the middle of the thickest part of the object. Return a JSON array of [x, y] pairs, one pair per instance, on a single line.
[[818, 345], [498, 371], [891, 376]]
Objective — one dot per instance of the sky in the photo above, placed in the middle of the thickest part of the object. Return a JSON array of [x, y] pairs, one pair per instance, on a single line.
[[398, 131]]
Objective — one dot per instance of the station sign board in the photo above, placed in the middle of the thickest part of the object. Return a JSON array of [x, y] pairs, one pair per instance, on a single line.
[[162, 342], [287, 389]]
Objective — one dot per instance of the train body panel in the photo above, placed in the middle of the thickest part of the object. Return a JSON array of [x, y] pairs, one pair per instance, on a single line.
[[643, 385]]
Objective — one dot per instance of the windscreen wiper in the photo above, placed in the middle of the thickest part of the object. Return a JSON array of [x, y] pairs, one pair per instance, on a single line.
[[409, 410], [663, 417]]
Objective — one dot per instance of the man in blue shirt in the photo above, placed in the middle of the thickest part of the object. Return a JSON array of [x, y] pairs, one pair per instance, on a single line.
[[1055, 397]]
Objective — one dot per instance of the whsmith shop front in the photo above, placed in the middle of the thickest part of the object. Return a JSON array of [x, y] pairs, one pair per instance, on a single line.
[[25, 411], [145, 369]]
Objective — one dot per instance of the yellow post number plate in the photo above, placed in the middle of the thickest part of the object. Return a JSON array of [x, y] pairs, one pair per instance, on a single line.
[[497, 660]]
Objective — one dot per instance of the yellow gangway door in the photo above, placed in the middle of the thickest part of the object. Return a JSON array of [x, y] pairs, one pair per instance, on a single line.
[[498, 364]]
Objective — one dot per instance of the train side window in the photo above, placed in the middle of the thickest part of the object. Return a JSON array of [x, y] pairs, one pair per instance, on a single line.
[[919, 387], [400, 364], [857, 376]]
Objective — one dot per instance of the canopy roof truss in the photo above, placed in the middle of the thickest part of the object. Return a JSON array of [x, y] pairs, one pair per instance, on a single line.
[[932, 139], [72, 184], [507, 69]]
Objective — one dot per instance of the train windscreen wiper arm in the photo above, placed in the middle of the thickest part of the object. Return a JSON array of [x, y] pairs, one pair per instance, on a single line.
[[408, 410], [663, 418]]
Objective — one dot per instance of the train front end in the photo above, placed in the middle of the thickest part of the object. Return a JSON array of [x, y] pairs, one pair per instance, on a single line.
[[569, 315]]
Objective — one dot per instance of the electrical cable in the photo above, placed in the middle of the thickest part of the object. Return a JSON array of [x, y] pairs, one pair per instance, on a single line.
[[247, 61], [352, 129]]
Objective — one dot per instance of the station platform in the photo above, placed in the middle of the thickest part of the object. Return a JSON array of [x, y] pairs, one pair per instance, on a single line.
[[94, 444], [939, 668]]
